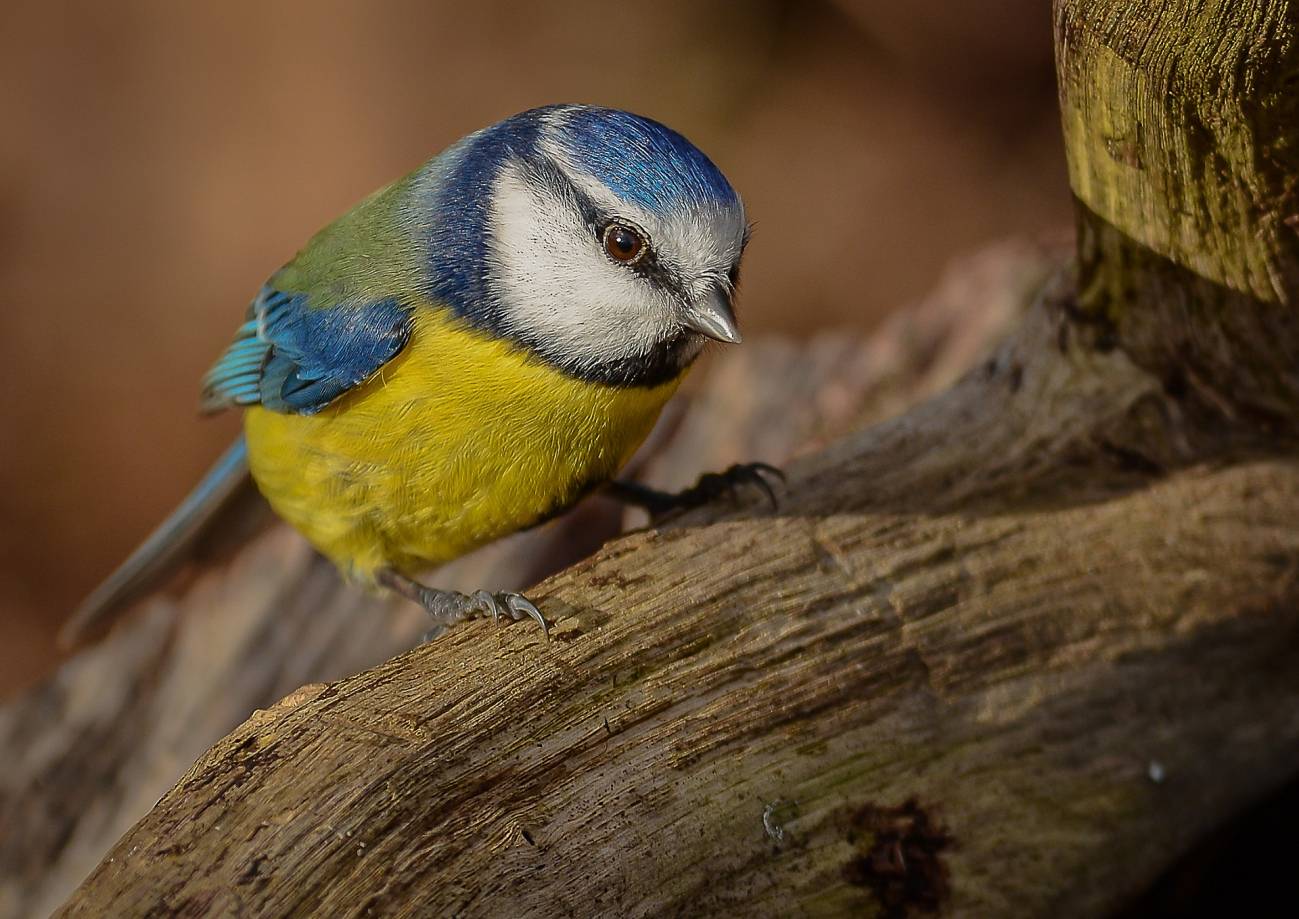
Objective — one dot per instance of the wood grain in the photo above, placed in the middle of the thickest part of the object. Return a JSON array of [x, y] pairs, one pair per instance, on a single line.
[[97, 745], [757, 712]]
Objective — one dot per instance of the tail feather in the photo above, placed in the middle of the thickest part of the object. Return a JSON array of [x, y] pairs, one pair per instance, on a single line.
[[163, 549]]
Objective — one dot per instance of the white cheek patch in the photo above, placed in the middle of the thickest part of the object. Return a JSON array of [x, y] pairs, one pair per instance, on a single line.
[[699, 245], [558, 289]]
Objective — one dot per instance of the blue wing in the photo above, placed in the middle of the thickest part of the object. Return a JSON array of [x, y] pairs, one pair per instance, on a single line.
[[296, 358]]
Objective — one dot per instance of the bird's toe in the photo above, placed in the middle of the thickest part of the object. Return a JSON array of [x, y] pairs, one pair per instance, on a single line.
[[520, 606], [487, 603]]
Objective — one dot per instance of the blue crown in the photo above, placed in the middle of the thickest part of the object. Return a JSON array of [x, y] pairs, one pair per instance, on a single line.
[[640, 160]]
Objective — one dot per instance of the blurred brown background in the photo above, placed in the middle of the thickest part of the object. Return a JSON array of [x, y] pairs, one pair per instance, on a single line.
[[158, 160]]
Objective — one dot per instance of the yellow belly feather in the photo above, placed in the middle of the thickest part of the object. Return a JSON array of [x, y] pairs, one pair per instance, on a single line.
[[460, 439]]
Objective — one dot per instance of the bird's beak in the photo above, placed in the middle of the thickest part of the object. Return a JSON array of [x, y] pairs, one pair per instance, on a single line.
[[714, 317]]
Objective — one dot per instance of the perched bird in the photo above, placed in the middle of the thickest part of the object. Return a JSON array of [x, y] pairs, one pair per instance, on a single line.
[[472, 349]]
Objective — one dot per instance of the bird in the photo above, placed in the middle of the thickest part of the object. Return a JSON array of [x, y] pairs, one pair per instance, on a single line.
[[470, 351]]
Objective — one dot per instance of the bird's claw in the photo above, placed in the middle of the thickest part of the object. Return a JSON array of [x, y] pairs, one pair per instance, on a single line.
[[727, 483], [711, 485], [487, 603], [448, 607], [756, 474], [514, 605]]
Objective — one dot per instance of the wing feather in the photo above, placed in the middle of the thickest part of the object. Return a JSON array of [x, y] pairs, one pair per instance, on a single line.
[[294, 357]]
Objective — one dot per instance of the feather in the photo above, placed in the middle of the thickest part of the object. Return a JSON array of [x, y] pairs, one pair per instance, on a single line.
[[295, 357], [164, 549]]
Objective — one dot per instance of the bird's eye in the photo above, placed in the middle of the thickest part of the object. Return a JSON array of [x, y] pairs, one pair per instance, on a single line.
[[623, 243]]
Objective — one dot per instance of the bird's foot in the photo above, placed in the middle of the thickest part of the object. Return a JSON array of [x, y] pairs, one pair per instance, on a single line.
[[447, 607], [711, 485]]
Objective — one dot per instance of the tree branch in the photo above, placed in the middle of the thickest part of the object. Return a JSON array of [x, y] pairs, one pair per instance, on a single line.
[[99, 744], [798, 712]]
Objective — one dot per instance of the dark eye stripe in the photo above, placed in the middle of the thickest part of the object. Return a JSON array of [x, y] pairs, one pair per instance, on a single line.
[[647, 265]]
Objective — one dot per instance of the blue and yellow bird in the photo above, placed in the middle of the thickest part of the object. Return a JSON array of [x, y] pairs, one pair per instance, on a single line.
[[472, 349]]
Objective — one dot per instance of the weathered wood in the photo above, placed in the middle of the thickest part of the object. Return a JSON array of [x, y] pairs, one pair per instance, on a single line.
[[1179, 122], [92, 750], [994, 617]]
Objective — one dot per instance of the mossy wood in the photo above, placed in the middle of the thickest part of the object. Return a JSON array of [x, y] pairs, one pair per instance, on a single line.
[[1009, 653]]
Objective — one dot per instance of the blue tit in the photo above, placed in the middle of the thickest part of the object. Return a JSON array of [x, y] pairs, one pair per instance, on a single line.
[[472, 349]]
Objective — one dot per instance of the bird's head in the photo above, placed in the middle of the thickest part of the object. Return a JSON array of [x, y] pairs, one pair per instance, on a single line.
[[605, 242]]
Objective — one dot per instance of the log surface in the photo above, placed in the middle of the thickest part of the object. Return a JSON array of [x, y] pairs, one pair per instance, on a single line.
[[941, 676], [97, 745]]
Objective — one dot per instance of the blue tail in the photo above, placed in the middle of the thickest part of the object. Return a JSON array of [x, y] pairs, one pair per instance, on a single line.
[[165, 547]]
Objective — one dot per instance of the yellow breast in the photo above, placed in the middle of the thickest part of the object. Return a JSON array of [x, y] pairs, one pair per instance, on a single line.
[[460, 439]]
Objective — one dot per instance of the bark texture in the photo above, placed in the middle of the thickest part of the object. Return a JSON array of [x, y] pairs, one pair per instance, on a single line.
[[96, 746], [941, 676], [1179, 120], [1009, 653]]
